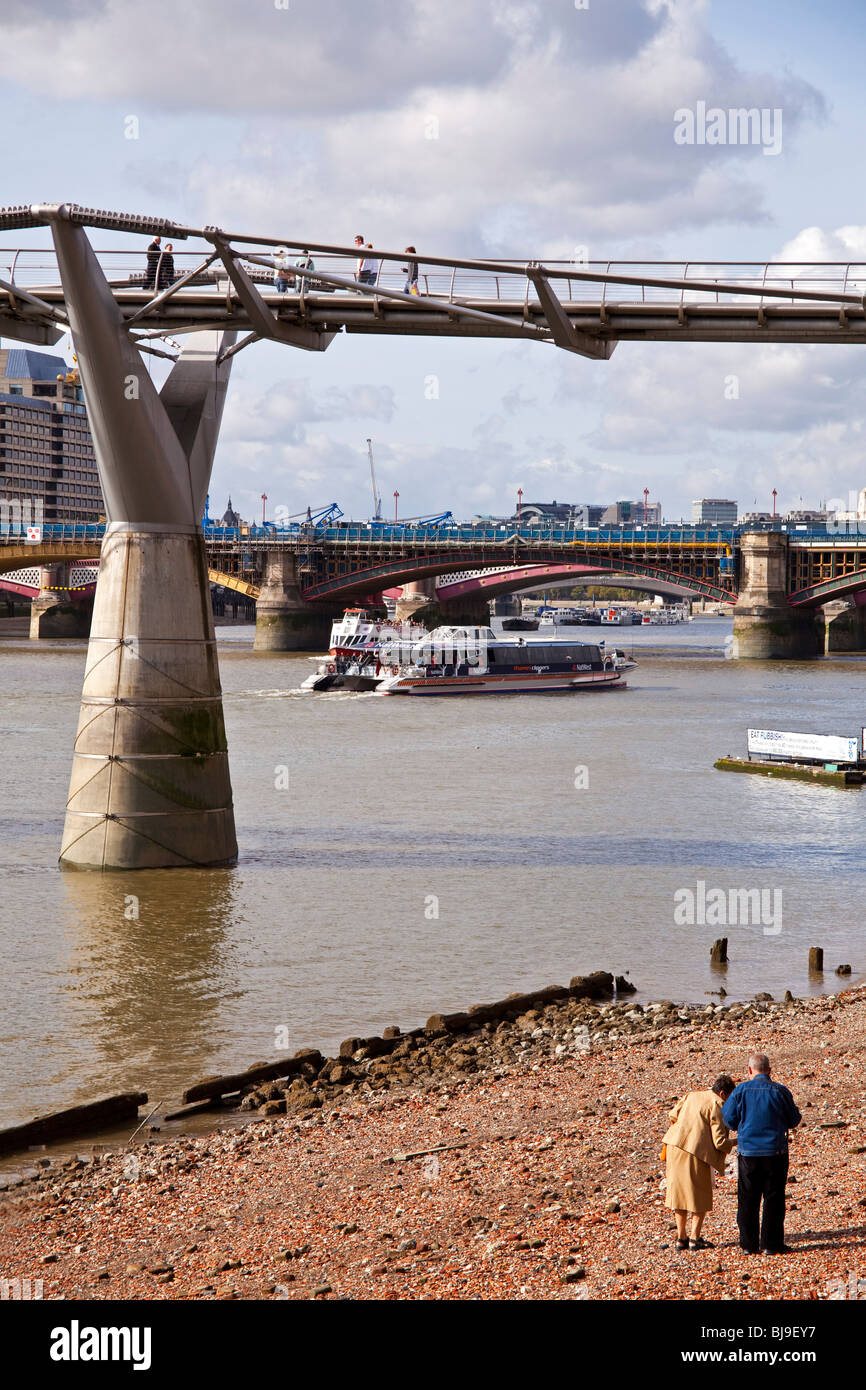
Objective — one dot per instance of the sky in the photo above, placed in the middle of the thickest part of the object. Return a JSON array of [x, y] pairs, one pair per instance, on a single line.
[[476, 128]]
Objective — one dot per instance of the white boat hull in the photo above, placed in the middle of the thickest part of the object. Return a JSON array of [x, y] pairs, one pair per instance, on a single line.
[[501, 684]]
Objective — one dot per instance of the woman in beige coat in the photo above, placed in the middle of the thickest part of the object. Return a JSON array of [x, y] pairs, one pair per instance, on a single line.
[[695, 1144]]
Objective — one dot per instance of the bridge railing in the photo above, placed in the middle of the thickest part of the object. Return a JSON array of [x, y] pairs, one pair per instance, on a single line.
[[32, 268], [390, 533], [16, 533]]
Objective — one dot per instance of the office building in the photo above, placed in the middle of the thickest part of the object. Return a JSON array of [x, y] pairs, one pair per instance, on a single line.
[[47, 463], [714, 511], [553, 514], [626, 513]]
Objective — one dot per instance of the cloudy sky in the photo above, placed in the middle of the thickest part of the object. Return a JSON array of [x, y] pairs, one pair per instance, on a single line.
[[552, 128]]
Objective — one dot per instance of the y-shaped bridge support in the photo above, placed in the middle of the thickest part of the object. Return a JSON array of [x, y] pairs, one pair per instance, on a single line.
[[150, 783]]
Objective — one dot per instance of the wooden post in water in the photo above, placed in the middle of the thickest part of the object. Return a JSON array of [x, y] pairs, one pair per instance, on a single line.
[[719, 951], [816, 960]]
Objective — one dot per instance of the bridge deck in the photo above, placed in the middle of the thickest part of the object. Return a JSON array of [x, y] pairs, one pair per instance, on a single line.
[[583, 306]]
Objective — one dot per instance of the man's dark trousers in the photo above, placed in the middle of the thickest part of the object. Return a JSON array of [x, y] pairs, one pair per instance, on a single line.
[[762, 1177]]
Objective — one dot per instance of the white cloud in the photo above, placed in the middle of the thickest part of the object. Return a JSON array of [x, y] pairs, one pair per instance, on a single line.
[[553, 126]]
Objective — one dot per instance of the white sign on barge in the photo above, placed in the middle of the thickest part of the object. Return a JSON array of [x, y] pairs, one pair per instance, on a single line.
[[821, 748]]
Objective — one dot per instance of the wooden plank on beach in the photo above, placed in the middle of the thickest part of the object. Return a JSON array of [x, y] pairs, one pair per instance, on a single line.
[[213, 1086], [97, 1114]]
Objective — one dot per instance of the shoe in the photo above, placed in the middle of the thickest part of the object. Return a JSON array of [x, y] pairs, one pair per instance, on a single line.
[[785, 1250], [749, 1249], [701, 1244], [682, 1244]]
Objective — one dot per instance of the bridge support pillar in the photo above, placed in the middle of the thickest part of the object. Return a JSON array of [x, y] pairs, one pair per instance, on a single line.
[[150, 785], [471, 611], [845, 627], [53, 613], [285, 622], [417, 595], [766, 627]]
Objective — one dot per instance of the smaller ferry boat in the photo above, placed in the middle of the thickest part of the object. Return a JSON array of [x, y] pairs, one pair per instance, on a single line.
[[472, 660], [359, 633], [363, 651], [547, 621]]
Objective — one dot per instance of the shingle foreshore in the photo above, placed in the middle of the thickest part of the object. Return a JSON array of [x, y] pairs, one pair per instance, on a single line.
[[517, 1158]]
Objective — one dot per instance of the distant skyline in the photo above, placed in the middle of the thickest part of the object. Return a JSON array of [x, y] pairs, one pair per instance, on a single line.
[[475, 128]]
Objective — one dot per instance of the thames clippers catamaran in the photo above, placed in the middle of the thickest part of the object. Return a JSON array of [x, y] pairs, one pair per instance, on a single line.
[[472, 660]]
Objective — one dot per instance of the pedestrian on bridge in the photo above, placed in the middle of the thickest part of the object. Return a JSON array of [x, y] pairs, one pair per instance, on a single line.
[[283, 279], [304, 262], [411, 285], [368, 266], [154, 252], [165, 268]]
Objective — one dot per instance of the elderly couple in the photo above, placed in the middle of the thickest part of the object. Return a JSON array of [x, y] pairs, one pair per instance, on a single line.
[[761, 1111]]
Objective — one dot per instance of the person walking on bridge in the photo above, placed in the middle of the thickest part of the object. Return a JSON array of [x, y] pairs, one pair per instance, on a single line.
[[368, 266], [165, 268], [154, 252], [762, 1112], [283, 278], [411, 285]]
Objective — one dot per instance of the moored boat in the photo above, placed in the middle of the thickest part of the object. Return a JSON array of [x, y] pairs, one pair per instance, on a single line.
[[519, 624]]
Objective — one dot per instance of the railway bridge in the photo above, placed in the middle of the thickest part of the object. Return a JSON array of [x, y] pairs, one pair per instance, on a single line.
[[779, 583]]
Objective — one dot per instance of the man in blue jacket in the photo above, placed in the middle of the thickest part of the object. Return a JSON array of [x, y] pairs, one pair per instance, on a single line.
[[762, 1112]]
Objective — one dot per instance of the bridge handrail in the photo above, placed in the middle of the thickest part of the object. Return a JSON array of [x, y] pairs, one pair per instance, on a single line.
[[502, 534], [30, 267]]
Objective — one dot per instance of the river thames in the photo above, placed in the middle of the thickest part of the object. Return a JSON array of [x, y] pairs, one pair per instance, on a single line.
[[400, 857]]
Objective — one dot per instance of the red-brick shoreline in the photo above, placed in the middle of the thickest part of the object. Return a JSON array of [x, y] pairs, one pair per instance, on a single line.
[[548, 1184]]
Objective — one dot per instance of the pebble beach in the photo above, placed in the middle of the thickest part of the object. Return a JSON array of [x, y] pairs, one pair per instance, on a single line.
[[516, 1159]]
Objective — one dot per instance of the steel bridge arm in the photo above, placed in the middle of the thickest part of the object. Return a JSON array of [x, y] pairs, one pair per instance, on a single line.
[[564, 333]]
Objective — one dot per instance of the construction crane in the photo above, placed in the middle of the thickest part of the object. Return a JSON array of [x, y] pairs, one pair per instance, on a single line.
[[322, 516], [439, 519], [377, 501]]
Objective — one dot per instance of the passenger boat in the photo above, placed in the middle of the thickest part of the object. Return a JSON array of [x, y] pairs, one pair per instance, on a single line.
[[358, 632], [363, 651], [472, 660]]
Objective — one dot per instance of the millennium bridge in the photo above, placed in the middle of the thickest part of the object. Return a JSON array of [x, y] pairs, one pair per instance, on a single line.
[[150, 783]]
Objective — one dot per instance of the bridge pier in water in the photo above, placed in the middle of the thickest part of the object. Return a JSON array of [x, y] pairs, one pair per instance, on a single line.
[[845, 629], [766, 627], [417, 596], [150, 784], [54, 612], [285, 621]]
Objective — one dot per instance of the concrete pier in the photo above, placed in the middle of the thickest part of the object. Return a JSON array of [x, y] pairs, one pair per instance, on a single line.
[[845, 627], [150, 784], [417, 597], [54, 612], [285, 621], [765, 625]]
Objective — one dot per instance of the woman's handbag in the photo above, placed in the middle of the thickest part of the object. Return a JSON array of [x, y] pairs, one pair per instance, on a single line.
[[664, 1153]]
